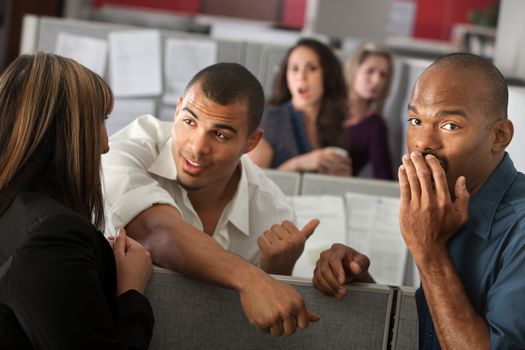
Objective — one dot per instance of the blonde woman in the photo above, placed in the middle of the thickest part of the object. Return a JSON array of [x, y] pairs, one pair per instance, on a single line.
[[62, 286], [368, 73]]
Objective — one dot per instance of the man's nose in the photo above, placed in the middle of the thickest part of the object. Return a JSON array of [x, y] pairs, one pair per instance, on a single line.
[[425, 138], [200, 144]]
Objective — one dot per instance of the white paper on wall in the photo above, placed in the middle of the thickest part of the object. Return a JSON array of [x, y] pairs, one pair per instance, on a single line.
[[135, 63], [87, 51], [373, 229], [368, 223], [183, 59], [330, 211]]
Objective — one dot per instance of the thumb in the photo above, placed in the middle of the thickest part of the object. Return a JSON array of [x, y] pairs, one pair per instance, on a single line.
[[310, 227], [312, 316], [358, 264], [119, 247], [462, 198]]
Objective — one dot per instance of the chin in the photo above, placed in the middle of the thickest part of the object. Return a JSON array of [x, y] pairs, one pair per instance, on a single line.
[[188, 186]]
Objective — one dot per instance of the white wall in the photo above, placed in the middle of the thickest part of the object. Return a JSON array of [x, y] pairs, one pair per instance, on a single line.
[[516, 148], [509, 56]]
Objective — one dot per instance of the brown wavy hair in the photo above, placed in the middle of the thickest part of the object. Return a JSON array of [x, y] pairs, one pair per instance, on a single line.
[[333, 109], [51, 113]]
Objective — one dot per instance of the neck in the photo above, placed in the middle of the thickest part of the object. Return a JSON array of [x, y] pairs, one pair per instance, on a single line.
[[310, 112], [476, 184], [360, 109], [215, 196]]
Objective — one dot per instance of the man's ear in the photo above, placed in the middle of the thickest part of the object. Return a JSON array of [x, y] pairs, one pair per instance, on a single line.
[[179, 107], [253, 140], [502, 133]]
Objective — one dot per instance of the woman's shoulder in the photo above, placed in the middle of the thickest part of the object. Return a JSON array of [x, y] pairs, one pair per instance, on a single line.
[[34, 211], [37, 220], [372, 122], [276, 111]]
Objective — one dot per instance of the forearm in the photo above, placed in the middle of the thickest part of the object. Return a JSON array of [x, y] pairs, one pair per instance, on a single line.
[[177, 245], [457, 324], [292, 164]]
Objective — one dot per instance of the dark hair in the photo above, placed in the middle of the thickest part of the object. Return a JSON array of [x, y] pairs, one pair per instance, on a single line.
[[226, 83], [497, 99], [334, 106], [51, 113]]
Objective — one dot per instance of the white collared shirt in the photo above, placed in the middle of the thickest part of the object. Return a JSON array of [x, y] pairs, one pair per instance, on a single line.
[[139, 171]]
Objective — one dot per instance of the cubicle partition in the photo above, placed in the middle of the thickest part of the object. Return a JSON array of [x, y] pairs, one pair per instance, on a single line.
[[405, 335], [317, 184], [191, 314], [288, 181]]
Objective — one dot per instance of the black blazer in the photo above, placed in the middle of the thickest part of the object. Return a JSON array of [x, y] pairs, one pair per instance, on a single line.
[[58, 283]]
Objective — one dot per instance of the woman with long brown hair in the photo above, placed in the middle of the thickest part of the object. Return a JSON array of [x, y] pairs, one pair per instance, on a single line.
[[62, 285], [303, 126]]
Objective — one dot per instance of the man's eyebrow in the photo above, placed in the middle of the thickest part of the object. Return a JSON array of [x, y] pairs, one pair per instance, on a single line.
[[227, 127], [447, 112], [218, 126], [190, 112], [442, 113]]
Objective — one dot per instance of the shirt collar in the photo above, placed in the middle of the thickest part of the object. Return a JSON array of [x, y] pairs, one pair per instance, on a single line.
[[239, 212], [484, 204], [164, 165]]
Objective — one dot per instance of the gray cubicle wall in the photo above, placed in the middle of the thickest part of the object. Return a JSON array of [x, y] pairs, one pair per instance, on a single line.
[[288, 181], [405, 335], [191, 314], [317, 184]]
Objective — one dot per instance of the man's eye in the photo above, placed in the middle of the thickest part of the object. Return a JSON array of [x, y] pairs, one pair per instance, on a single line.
[[450, 126], [221, 136], [187, 121], [414, 121]]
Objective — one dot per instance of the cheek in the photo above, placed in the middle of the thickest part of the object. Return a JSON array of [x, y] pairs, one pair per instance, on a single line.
[[290, 80], [104, 141]]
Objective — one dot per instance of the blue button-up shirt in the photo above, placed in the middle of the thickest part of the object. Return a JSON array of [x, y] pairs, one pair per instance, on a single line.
[[489, 256]]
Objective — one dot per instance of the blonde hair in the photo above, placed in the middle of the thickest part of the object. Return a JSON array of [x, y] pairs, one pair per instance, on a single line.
[[52, 110], [356, 59]]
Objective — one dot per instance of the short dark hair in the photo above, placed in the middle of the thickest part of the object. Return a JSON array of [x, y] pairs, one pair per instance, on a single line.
[[497, 99], [226, 83], [334, 106]]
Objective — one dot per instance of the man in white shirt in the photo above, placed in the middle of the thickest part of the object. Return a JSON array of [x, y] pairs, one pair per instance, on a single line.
[[188, 193]]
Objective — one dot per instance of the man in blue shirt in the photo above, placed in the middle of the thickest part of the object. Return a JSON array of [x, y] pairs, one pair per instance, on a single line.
[[462, 211]]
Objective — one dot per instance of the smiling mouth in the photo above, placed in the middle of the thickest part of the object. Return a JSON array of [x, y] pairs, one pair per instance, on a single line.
[[194, 167]]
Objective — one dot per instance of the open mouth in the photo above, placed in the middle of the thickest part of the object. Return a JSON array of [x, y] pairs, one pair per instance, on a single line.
[[193, 167], [442, 161], [302, 90]]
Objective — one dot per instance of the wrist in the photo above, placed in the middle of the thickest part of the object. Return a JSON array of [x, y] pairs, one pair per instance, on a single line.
[[247, 278], [297, 163], [430, 260]]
